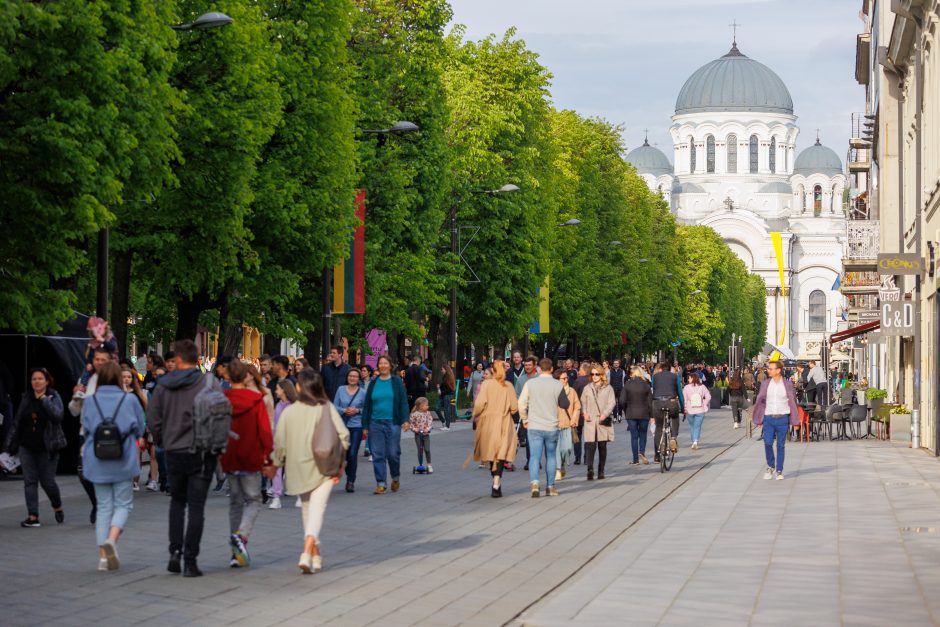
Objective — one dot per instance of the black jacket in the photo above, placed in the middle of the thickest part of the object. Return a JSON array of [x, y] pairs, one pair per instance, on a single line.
[[637, 399], [53, 411], [618, 378]]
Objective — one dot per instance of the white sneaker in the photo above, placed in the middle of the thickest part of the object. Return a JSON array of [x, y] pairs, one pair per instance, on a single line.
[[152, 486], [768, 474], [316, 563], [275, 503], [306, 563], [136, 486], [779, 476], [737, 425], [430, 469], [112, 560], [102, 565], [695, 445], [445, 428], [298, 503]]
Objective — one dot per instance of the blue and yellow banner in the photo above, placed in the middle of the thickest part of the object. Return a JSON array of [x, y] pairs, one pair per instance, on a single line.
[[542, 325]]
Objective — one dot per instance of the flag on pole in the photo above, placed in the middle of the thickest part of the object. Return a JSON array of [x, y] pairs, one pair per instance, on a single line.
[[349, 275], [778, 252], [837, 283], [542, 325]]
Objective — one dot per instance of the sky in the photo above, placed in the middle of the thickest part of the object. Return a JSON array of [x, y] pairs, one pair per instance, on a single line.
[[626, 60]]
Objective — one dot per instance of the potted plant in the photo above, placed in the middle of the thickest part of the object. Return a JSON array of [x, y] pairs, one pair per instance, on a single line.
[[875, 398], [900, 409]]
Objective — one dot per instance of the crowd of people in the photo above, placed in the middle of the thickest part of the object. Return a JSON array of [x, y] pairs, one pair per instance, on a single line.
[[155, 423]]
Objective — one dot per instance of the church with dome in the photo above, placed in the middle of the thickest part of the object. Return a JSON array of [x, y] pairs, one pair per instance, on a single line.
[[735, 169]]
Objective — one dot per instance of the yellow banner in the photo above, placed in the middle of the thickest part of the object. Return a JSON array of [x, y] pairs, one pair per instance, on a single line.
[[778, 251]]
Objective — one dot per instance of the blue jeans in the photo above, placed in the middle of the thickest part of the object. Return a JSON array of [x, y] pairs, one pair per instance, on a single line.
[[775, 426], [385, 444], [695, 422], [639, 429], [115, 502], [539, 441], [445, 410], [352, 455]]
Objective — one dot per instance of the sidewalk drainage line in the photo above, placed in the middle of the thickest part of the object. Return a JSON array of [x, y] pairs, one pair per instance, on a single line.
[[617, 537]]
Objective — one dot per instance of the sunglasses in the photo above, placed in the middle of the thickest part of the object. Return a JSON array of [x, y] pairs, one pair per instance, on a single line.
[[595, 374]]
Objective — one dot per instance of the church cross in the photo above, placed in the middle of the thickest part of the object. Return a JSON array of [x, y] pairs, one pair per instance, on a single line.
[[734, 25], [729, 203]]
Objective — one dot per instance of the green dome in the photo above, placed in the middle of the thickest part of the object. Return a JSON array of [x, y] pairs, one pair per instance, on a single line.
[[734, 83], [818, 159], [649, 160]]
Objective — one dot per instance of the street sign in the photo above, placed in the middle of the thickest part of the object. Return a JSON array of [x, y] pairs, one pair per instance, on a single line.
[[900, 263], [897, 319], [868, 315]]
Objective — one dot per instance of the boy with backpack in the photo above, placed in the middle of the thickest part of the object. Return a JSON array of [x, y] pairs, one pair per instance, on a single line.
[[190, 419]]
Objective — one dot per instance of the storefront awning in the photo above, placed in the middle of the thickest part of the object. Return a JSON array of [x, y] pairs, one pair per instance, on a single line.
[[858, 330]]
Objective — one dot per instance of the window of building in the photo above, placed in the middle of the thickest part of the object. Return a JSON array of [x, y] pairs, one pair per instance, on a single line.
[[710, 154], [732, 154], [817, 200], [691, 155], [817, 312], [753, 154], [773, 155]]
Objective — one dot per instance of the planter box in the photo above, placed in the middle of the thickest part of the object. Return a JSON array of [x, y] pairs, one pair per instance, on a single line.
[[900, 427]]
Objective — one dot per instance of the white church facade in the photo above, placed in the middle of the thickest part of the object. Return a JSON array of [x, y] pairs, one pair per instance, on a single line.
[[736, 170]]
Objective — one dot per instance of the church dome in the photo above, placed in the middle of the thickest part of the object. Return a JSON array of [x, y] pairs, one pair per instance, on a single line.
[[734, 83], [818, 159], [649, 160]]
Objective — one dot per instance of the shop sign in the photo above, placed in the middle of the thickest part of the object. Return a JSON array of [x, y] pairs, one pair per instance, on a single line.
[[868, 315], [900, 263], [897, 319], [888, 291]]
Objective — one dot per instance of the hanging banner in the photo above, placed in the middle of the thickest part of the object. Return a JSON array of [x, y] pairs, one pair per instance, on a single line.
[[778, 251], [349, 275], [542, 325]]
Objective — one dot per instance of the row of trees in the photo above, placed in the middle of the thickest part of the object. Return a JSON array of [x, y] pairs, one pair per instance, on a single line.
[[225, 164]]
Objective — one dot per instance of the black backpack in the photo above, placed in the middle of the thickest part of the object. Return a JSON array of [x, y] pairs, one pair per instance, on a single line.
[[108, 441]]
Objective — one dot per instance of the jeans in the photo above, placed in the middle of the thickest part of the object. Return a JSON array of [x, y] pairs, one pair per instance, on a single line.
[[190, 475], [352, 455], [115, 502], [737, 406], [39, 469], [565, 449], [775, 426], [385, 444], [423, 442], [639, 429], [695, 422], [445, 409], [542, 441], [244, 502]]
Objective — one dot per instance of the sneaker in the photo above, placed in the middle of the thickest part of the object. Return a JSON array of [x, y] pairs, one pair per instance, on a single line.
[[316, 563], [220, 484], [674, 445], [396, 484], [275, 503], [780, 476], [152, 486], [445, 428], [102, 565], [369, 458], [350, 487], [643, 459], [111, 555], [483, 465], [136, 486], [737, 425], [635, 462], [191, 570], [233, 563], [239, 549], [59, 516], [379, 489], [695, 446], [535, 489], [430, 469], [551, 491], [306, 563], [30, 522], [298, 504], [769, 474], [557, 475]]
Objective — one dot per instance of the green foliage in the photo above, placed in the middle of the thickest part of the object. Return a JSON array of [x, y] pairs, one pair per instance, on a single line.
[[873, 393]]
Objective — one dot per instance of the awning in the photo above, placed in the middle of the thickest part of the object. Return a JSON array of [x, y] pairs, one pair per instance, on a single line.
[[852, 332]]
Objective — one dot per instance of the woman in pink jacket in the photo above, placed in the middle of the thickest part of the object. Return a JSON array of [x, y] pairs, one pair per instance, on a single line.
[[697, 401]]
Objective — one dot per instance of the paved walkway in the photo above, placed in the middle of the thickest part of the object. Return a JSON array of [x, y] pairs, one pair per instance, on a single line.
[[440, 552], [851, 537]]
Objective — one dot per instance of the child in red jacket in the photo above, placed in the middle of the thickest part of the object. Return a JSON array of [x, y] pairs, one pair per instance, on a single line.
[[249, 450]]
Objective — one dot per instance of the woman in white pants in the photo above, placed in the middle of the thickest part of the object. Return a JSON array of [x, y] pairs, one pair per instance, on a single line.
[[293, 451]]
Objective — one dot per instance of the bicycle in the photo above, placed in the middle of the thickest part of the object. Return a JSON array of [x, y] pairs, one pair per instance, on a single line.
[[666, 455]]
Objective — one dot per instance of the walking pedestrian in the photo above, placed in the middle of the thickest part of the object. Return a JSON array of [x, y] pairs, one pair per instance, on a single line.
[[416, 380], [617, 379], [100, 357], [37, 437], [494, 439], [582, 378], [170, 415], [447, 397], [334, 371], [349, 400], [567, 426], [597, 407], [775, 409], [736, 396], [384, 413], [476, 379], [286, 396], [528, 372], [538, 407], [112, 476], [421, 421], [697, 399], [636, 398], [130, 383], [292, 452]]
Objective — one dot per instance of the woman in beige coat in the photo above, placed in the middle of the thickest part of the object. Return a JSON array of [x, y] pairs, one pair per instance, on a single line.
[[293, 450], [494, 440], [597, 405], [567, 425]]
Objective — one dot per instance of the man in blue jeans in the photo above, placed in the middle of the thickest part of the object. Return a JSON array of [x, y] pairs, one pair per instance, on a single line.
[[776, 409], [539, 402]]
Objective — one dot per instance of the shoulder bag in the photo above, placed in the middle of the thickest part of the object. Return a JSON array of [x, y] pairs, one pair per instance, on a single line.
[[328, 451]]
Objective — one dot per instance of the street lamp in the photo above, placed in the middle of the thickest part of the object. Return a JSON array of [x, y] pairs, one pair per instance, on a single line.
[[205, 21], [695, 292], [571, 222], [616, 242], [643, 260], [402, 127]]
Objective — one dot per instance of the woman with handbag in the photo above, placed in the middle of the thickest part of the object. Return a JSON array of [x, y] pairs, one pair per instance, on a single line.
[[294, 452], [597, 406], [567, 420], [37, 436], [349, 401], [494, 437], [111, 463]]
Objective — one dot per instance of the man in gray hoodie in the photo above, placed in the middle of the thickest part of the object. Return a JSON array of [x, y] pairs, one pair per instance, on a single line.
[[539, 402], [170, 417]]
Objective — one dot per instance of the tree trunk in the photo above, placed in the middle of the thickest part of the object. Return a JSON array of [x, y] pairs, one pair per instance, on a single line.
[[187, 318], [120, 299], [440, 353], [271, 345], [230, 335], [312, 348]]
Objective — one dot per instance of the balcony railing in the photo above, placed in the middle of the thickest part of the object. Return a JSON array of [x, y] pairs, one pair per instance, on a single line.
[[862, 239]]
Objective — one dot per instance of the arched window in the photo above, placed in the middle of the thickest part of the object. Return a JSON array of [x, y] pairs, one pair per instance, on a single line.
[[753, 154], [817, 200], [732, 154], [773, 155], [710, 154], [691, 155], [817, 312]]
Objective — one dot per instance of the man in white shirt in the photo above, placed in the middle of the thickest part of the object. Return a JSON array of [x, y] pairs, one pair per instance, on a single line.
[[776, 409]]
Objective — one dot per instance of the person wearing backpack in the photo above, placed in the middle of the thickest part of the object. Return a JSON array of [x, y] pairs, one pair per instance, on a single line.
[[294, 452], [113, 420], [697, 401], [190, 418]]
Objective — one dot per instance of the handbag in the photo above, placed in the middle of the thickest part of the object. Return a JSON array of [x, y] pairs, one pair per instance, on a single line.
[[328, 450]]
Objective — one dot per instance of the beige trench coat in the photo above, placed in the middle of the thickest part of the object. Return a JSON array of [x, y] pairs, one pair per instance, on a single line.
[[495, 436], [597, 401], [570, 417]]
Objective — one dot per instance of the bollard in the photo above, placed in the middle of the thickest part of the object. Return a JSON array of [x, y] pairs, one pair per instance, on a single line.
[[915, 428]]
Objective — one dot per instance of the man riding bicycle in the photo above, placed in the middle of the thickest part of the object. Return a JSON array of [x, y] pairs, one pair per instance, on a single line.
[[667, 387]]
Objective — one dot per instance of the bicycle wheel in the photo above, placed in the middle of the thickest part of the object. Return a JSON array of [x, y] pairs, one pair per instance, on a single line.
[[668, 458], [663, 452]]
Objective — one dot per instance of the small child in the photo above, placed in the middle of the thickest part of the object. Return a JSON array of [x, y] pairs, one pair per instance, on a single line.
[[421, 420], [99, 334]]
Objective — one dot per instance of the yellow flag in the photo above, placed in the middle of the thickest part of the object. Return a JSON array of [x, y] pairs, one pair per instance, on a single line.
[[778, 251]]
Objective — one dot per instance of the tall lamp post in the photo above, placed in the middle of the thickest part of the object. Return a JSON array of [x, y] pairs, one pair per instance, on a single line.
[[205, 21]]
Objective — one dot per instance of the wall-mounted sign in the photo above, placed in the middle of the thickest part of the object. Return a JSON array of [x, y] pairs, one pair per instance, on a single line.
[[900, 263], [868, 315], [897, 319], [889, 291]]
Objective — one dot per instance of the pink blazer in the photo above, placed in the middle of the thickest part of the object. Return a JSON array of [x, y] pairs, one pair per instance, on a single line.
[[760, 405]]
